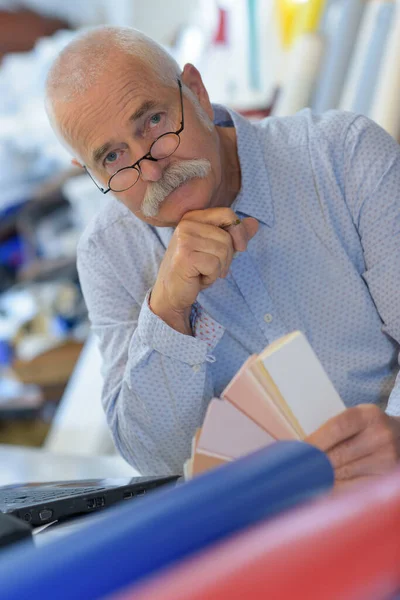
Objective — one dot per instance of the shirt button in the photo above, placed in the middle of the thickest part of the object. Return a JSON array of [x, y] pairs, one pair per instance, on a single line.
[[268, 318], [196, 368]]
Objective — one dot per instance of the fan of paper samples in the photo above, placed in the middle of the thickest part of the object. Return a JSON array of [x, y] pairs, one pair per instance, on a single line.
[[281, 394]]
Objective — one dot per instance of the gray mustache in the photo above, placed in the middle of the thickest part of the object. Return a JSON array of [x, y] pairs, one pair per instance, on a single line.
[[174, 175]]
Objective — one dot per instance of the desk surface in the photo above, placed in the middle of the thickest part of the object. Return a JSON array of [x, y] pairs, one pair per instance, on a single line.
[[21, 464]]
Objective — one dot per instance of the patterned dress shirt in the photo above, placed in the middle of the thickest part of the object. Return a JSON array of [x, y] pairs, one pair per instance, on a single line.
[[326, 260]]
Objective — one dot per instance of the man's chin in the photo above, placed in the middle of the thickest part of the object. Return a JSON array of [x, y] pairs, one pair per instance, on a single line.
[[182, 200]]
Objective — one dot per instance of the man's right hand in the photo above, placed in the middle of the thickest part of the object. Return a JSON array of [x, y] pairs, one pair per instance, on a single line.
[[200, 251]]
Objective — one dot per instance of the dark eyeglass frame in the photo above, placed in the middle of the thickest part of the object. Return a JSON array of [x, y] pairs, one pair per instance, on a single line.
[[147, 156]]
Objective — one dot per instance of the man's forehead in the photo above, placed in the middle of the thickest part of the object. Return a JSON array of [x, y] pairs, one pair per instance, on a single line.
[[122, 78], [83, 122]]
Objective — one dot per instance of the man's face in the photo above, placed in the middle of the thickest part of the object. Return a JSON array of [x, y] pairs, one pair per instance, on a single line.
[[114, 124]]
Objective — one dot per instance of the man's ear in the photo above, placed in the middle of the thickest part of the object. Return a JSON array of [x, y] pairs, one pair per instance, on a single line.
[[192, 79], [76, 163]]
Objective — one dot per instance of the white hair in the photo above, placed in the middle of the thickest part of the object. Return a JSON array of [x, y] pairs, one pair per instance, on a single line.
[[87, 57]]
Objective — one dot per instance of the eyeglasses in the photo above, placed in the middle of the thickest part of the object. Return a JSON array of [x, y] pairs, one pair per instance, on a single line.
[[165, 145]]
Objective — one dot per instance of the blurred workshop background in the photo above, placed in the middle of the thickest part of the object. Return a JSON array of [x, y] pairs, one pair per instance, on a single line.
[[260, 57]]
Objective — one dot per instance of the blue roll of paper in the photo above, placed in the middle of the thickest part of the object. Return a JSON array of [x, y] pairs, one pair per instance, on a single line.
[[386, 106], [373, 59], [340, 29], [361, 45], [145, 535], [361, 84]]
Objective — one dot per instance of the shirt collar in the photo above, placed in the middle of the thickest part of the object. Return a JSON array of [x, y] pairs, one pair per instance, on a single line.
[[254, 198]]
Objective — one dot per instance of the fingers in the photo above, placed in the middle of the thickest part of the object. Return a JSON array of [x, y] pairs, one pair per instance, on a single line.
[[242, 233], [344, 426], [251, 225], [206, 239], [208, 267], [219, 217], [374, 464], [370, 440], [361, 443], [345, 485], [211, 249], [226, 218], [203, 230], [200, 251]]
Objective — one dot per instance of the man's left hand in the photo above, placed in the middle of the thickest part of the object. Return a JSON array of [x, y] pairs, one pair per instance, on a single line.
[[362, 442]]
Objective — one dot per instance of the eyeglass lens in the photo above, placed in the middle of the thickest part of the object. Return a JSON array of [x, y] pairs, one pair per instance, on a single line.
[[163, 147]]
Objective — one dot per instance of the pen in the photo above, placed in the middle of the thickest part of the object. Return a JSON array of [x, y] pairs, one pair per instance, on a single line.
[[226, 227]]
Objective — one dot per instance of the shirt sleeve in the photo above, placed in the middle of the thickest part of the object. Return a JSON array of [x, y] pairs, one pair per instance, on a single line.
[[157, 381], [372, 189]]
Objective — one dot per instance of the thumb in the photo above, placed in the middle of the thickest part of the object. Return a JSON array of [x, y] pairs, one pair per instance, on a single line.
[[251, 226], [242, 232]]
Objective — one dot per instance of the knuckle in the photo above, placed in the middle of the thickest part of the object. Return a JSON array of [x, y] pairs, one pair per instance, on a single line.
[[345, 472], [180, 245], [372, 413], [227, 241], [359, 417], [184, 244], [211, 265], [337, 428], [226, 216], [184, 230], [181, 227], [336, 457], [384, 434], [214, 260], [227, 212], [223, 251], [181, 232]]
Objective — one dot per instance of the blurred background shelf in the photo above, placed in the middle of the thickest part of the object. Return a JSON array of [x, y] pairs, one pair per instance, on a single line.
[[49, 269]]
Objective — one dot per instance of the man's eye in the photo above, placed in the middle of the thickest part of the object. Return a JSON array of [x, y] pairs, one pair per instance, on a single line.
[[111, 157], [155, 119]]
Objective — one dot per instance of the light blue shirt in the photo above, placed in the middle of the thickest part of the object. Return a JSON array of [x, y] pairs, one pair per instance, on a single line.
[[326, 260]]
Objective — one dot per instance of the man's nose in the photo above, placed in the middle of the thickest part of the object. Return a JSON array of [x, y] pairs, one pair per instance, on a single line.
[[150, 170]]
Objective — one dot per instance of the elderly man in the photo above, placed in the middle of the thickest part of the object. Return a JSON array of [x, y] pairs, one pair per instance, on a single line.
[[227, 235]]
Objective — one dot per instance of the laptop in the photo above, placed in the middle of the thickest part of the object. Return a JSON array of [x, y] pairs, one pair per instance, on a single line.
[[41, 503]]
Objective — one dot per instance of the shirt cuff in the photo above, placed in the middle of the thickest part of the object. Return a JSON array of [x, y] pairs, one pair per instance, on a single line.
[[157, 335], [205, 328], [393, 407]]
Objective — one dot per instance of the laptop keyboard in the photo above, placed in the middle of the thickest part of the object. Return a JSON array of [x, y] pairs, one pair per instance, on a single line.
[[33, 497]]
